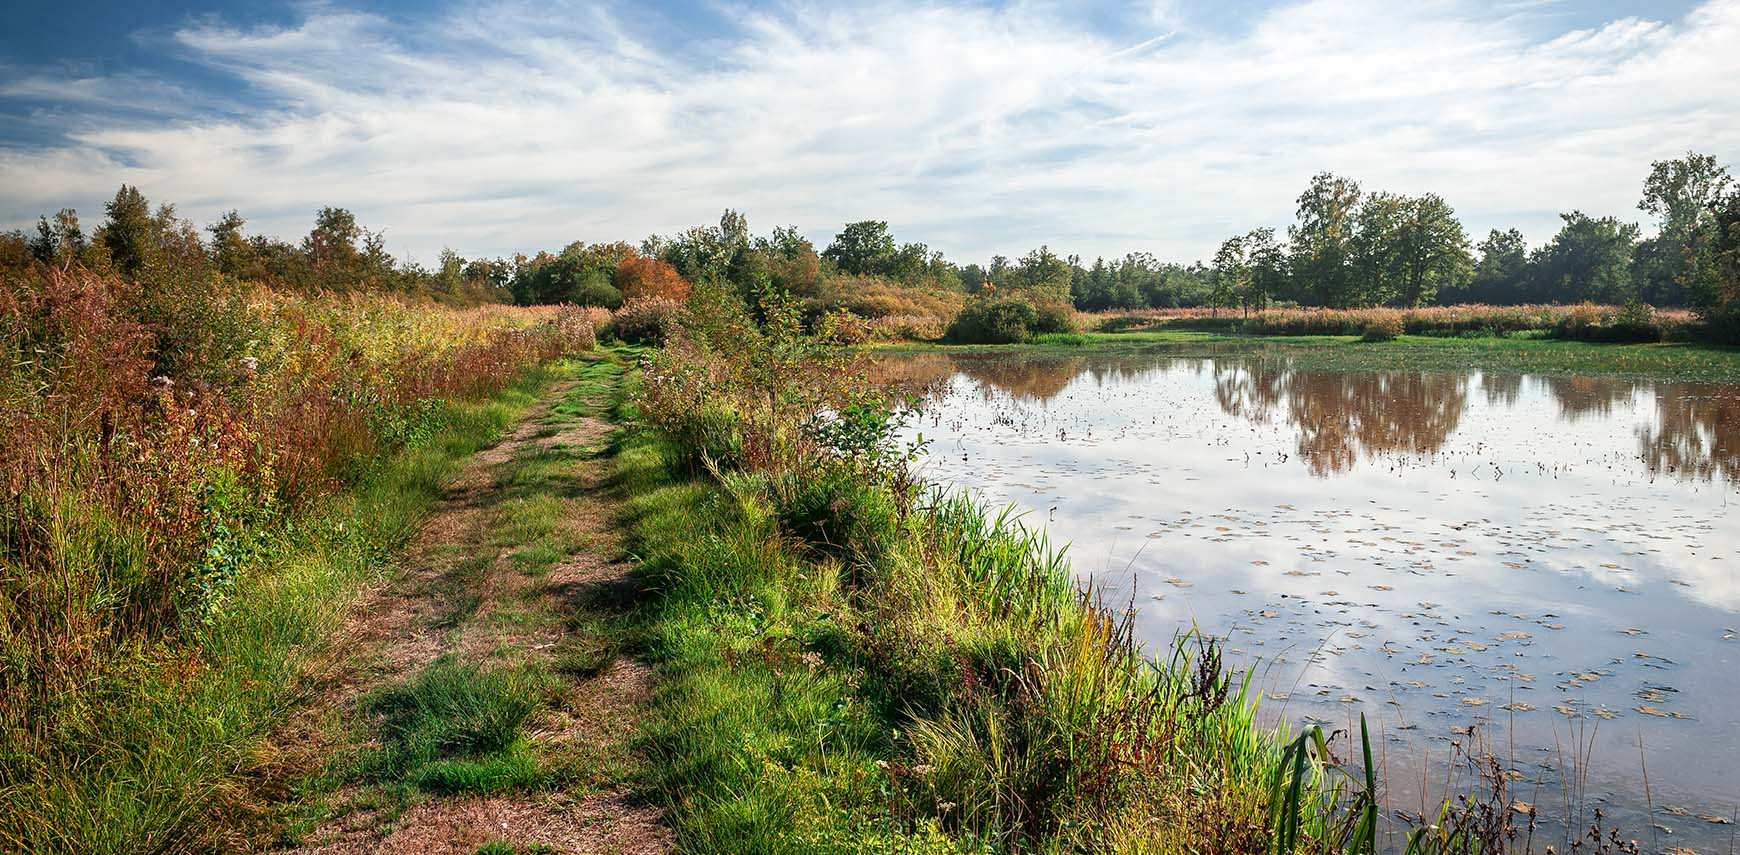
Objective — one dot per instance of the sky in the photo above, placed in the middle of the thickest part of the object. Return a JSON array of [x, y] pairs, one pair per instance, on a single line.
[[979, 128]]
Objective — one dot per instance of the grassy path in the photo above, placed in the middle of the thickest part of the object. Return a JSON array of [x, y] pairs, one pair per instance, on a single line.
[[480, 702]]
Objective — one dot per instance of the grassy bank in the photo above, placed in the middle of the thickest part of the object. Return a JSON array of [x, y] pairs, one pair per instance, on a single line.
[[1521, 354], [849, 661]]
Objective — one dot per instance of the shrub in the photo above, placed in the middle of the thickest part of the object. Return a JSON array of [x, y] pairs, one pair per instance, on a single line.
[[995, 320], [843, 327], [1634, 323], [650, 277], [1054, 318], [646, 320], [906, 328], [1382, 328]]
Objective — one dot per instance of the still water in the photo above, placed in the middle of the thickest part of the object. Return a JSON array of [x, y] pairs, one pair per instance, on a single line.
[[1547, 568]]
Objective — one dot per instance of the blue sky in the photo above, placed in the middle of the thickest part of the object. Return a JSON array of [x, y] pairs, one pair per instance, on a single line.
[[979, 128]]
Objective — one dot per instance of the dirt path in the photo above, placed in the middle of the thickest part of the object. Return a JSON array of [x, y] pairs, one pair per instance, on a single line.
[[517, 572]]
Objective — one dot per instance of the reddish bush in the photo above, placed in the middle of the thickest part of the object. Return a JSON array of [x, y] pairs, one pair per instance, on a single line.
[[639, 277]]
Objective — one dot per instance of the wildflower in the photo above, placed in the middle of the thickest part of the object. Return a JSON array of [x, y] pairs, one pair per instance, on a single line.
[[923, 769]]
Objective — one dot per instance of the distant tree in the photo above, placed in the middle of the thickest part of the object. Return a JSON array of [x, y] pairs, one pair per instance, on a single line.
[[1501, 275], [229, 249], [1041, 276], [1681, 193], [864, 247], [1322, 240], [1231, 273], [1589, 259], [1431, 251], [1717, 294], [60, 242], [1267, 260], [1374, 251], [791, 261], [710, 253], [972, 278], [331, 247], [126, 233]]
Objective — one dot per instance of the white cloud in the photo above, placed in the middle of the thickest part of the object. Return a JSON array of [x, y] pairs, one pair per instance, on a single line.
[[502, 127]]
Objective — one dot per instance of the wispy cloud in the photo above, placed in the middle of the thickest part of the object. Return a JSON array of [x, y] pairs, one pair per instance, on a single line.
[[503, 127]]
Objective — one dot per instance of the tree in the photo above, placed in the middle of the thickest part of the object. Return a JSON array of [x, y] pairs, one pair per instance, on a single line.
[[1322, 237], [1231, 272], [1682, 193], [1589, 259], [1501, 275], [1431, 252], [59, 242], [1267, 259], [127, 231], [331, 246], [1041, 276], [230, 251], [864, 247], [1374, 252], [708, 253], [1717, 294]]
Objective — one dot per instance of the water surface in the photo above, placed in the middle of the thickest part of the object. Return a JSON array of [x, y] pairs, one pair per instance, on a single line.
[[1544, 567]]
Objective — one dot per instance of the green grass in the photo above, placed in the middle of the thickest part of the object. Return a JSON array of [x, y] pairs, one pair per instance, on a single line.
[[145, 768], [936, 688], [456, 727]]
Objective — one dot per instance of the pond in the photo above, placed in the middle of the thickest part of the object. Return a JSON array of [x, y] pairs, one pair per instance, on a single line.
[[1543, 568]]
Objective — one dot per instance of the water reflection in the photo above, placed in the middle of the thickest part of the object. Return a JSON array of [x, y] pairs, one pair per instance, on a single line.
[[1534, 556], [1696, 433], [1344, 417]]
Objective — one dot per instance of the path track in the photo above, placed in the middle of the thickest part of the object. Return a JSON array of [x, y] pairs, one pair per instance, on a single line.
[[465, 594]]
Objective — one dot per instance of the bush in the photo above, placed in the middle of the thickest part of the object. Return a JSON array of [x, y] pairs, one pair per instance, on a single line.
[[646, 320], [1722, 323], [1635, 323], [1055, 318], [995, 320], [649, 277], [1382, 328], [906, 328]]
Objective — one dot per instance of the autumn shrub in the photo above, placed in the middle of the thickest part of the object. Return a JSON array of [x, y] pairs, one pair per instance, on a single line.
[[641, 276], [906, 328], [844, 327], [995, 320], [645, 320]]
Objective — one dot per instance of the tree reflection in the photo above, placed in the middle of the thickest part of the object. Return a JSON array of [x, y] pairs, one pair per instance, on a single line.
[[1587, 396], [1343, 417], [1038, 380], [1696, 433]]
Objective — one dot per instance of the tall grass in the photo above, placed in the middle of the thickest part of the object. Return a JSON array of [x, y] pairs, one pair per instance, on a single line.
[[852, 661], [191, 498]]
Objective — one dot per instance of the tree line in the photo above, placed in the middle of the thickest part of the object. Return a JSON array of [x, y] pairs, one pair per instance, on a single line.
[[1347, 248]]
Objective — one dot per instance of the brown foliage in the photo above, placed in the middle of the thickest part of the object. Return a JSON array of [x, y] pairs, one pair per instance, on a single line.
[[649, 277]]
